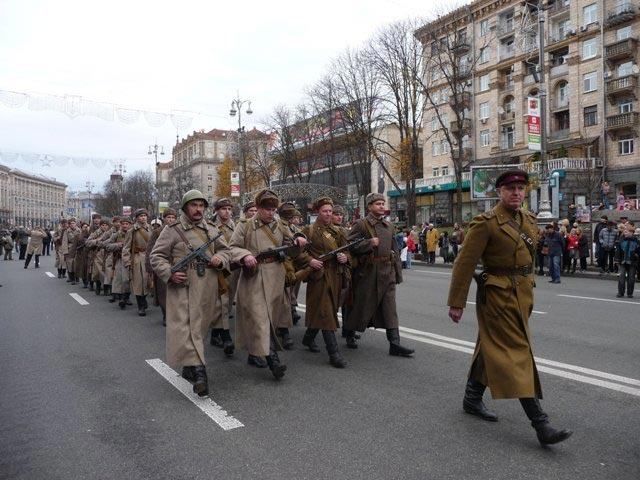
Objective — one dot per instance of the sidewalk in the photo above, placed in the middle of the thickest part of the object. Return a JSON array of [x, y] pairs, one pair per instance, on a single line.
[[592, 272]]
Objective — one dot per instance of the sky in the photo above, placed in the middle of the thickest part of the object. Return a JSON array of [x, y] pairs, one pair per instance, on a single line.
[[191, 58]]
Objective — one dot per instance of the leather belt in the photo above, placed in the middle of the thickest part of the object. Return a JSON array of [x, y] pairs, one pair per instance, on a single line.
[[381, 259], [509, 272], [268, 260]]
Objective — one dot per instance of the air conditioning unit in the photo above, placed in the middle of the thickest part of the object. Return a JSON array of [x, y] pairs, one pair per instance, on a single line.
[[608, 74]]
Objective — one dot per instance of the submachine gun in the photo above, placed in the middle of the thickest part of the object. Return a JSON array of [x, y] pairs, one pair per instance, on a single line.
[[273, 254], [303, 275], [198, 255]]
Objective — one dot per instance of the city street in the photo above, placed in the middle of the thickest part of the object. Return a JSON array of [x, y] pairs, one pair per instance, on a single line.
[[86, 394]]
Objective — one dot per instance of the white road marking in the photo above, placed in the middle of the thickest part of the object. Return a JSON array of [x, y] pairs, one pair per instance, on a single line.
[[431, 271], [49, 274], [534, 311], [79, 299], [600, 299], [206, 404]]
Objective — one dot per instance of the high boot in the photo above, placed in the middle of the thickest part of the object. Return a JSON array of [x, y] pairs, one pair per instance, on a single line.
[[189, 373], [295, 316], [27, 260], [98, 287], [114, 297], [216, 338], [287, 342], [144, 302], [74, 279], [201, 382], [164, 316], [473, 404], [106, 290], [227, 343], [64, 272], [309, 340], [91, 289], [127, 298], [277, 369], [256, 361], [123, 300], [85, 283], [37, 261], [141, 311], [69, 277], [350, 335], [330, 341], [547, 435], [395, 349], [59, 273]]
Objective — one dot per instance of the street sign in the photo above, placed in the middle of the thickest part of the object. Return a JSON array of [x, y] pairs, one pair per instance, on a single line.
[[235, 184], [126, 211]]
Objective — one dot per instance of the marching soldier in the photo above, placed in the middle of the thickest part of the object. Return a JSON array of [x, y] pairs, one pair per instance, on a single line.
[[262, 305], [249, 210], [90, 247], [324, 284], [35, 246], [220, 335], [57, 241], [96, 256], [375, 277], [133, 256], [119, 274], [337, 218], [169, 217], [105, 262], [68, 249], [190, 302], [288, 215], [504, 239]]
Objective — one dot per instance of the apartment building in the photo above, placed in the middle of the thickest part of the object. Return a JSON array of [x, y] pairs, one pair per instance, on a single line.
[[591, 73], [30, 199], [81, 204]]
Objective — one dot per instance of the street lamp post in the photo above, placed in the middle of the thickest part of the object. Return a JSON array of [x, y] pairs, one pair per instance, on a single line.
[[89, 184], [153, 149], [236, 108]]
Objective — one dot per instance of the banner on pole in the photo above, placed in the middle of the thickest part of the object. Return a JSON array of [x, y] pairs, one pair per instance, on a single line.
[[533, 124], [235, 184]]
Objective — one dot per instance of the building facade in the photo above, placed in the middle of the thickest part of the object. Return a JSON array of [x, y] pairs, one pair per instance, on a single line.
[[30, 199], [591, 80], [81, 205]]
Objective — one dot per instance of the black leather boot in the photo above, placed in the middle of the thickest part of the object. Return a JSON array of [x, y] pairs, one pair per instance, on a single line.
[[277, 369], [123, 300], [335, 358], [256, 361], [98, 287], [473, 403], [227, 343], [189, 373], [106, 291], [287, 342], [395, 349], [547, 435], [74, 279], [309, 340], [37, 261], [85, 283], [59, 273], [351, 339], [27, 260], [295, 316], [144, 302], [141, 310], [201, 382], [91, 289], [216, 338]]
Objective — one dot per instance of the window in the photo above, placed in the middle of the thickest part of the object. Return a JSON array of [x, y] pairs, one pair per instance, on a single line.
[[623, 33], [435, 172], [484, 83], [444, 147], [484, 110], [445, 170], [590, 48], [625, 146], [625, 106], [590, 14], [435, 124], [484, 55], [484, 28], [485, 139], [508, 136], [625, 69], [435, 149], [562, 95], [563, 29], [590, 116], [590, 81], [509, 104]]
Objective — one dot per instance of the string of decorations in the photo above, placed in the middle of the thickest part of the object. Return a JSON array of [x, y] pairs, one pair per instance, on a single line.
[[49, 160]]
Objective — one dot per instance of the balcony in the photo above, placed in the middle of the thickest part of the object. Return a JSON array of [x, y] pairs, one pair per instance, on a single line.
[[507, 52], [460, 101], [507, 116], [460, 46], [621, 50], [559, 70], [559, 7], [621, 13], [560, 104], [626, 85], [567, 164], [559, 135], [464, 72], [505, 28], [559, 37], [466, 126], [622, 123]]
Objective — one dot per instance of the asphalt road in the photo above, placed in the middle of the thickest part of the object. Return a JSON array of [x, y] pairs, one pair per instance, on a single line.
[[79, 400]]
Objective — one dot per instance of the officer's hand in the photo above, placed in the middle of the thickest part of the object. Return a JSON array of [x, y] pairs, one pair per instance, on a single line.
[[455, 314], [249, 261], [178, 277], [341, 257], [375, 241], [215, 261], [315, 264], [300, 241]]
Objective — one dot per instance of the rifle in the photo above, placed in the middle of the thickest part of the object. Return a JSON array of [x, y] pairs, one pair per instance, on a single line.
[[303, 275], [279, 254], [201, 258]]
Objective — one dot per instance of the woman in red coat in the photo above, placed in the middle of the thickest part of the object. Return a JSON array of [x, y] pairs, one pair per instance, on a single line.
[[573, 248]]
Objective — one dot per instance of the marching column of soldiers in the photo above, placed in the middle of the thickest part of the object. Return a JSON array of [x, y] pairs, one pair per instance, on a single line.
[[208, 274]]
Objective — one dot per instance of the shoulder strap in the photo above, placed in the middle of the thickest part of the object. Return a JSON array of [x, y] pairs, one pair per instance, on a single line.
[[528, 241], [270, 234], [184, 239]]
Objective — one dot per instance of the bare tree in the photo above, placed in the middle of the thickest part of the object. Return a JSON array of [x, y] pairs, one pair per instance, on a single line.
[[283, 149], [137, 190]]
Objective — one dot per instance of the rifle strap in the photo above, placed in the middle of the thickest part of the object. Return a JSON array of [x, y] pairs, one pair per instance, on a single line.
[[270, 234], [184, 238]]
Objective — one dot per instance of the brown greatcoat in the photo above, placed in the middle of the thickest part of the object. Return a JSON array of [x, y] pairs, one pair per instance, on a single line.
[[80, 265], [35, 241], [261, 302], [221, 319], [190, 306], [92, 252], [68, 247], [134, 252], [57, 242], [324, 287], [503, 359], [118, 273], [159, 287], [374, 278], [105, 259]]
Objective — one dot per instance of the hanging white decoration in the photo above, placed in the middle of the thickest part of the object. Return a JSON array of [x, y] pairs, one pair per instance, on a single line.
[[127, 115], [155, 119], [13, 99]]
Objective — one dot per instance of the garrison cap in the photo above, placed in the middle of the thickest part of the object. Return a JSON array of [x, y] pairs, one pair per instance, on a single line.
[[267, 199], [222, 202], [140, 211], [375, 197], [512, 176]]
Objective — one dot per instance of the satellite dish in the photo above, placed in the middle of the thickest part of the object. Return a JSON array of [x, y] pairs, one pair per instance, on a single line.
[[500, 110], [635, 69]]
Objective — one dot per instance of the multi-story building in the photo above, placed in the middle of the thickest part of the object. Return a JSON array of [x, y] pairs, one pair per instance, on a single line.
[[30, 199], [592, 113], [81, 205]]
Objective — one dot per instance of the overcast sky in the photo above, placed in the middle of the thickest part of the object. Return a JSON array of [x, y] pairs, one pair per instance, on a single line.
[[161, 56]]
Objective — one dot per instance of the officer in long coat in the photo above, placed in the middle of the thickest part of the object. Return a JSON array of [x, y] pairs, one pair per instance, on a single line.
[[374, 278], [504, 239], [96, 255], [324, 284], [134, 252], [190, 299], [262, 305], [35, 246]]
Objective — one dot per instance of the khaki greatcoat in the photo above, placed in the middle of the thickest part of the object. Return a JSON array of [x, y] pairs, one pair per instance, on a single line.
[[35, 241], [118, 273], [68, 247], [190, 306], [374, 277], [134, 252], [221, 319], [261, 304], [503, 358]]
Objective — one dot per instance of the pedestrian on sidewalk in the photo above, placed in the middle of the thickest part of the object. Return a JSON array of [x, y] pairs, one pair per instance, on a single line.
[[433, 235], [573, 249], [541, 251], [596, 237], [411, 247], [555, 244], [583, 249], [457, 237], [444, 243], [608, 238], [627, 256]]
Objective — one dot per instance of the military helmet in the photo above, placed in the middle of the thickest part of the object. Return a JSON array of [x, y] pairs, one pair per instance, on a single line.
[[193, 195]]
